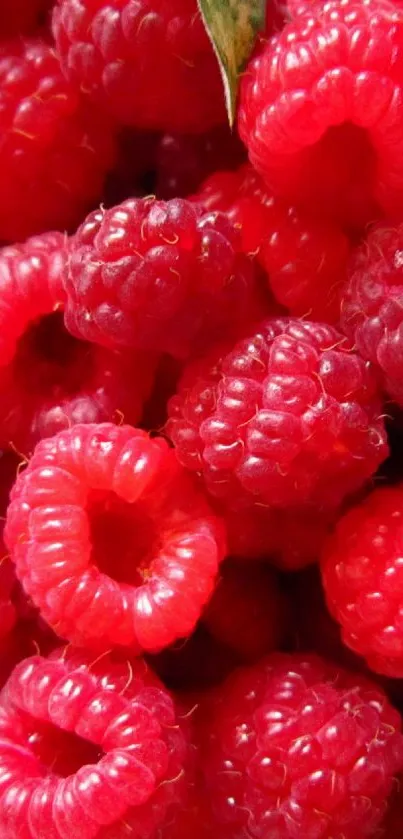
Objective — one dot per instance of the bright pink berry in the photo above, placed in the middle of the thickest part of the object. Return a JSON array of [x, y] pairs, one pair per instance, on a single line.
[[21, 16], [89, 750], [295, 747], [289, 417], [320, 109], [55, 149], [305, 258], [149, 63], [371, 312], [158, 275], [361, 571], [112, 539]]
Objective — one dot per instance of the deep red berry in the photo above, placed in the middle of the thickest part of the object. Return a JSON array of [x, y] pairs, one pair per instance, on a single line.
[[54, 148], [305, 258], [289, 417], [294, 747], [89, 750], [361, 571], [371, 312], [158, 275], [184, 160], [320, 109], [21, 16], [112, 539], [149, 63]]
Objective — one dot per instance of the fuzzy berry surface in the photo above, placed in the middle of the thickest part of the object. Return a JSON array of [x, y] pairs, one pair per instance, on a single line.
[[288, 417], [158, 275], [110, 50], [112, 539], [296, 747], [305, 257], [361, 568], [55, 149], [89, 750], [371, 312], [320, 109]]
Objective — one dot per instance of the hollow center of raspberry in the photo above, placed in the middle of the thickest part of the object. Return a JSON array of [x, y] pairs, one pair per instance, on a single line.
[[62, 752], [48, 358], [124, 537]]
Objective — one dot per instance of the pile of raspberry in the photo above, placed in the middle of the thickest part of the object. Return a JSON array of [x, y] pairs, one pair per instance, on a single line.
[[201, 423]]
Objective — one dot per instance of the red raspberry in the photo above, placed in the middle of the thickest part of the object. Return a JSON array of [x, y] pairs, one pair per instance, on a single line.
[[320, 109], [54, 150], [89, 750], [156, 275], [305, 258], [112, 539], [361, 567], [109, 49], [289, 417], [248, 610], [18, 16], [48, 379], [371, 312], [295, 747]]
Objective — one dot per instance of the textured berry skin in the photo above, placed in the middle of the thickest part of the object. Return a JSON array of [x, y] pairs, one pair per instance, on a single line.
[[21, 16], [48, 379], [111, 538], [289, 417], [371, 312], [54, 150], [320, 109], [296, 747], [361, 570], [88, 750], [157, 275], [305, 258], [109, 49]]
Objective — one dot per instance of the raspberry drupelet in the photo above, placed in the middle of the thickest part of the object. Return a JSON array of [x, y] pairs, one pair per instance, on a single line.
[[158, 275], [55, 149], [112, 539], [320, 109], [361, 571], [48, 379], [289, 417], [305, 258], [371, 312], [296, 747], [148, 63], [89, 749]]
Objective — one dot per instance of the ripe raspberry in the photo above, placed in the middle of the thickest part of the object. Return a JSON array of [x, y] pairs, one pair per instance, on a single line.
[[48, 379], [371, 312], [305, 259], [360, 568], [54, 150], [89, 750], [295, 747], [159, 276], [320, 109], [21, 16], [248, 610], [112, 539], [109, 49], [290, 417]]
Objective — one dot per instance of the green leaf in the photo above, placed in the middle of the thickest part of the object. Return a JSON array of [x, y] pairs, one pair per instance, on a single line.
[[232, 26]]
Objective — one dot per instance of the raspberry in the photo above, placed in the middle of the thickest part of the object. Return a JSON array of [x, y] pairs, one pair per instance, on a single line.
[[111, 538], [289, 417], [48, 379], [305, 258], [371, 312], [88, 749], [360, 569], [156, 275], [55, 148], [17, 16], [295, 747], [109, 49], [320, 109]]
